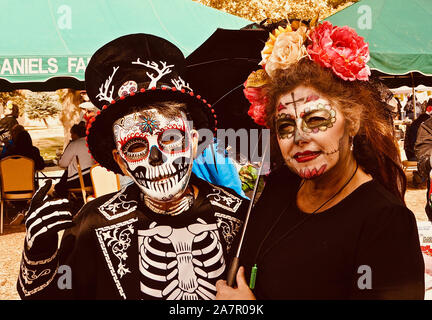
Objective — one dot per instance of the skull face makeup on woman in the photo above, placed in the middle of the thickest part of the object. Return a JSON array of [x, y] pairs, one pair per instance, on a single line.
[[310, 132], [157, 152]]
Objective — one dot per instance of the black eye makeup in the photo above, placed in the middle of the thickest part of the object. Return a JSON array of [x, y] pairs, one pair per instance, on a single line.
[[135, 149], [314, 118], [173, 140], [285, 126], [318, 118]]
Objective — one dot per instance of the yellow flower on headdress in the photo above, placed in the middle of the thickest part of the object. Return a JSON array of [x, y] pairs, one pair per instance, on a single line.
[[284, 48], [269, 45], [257, 79]]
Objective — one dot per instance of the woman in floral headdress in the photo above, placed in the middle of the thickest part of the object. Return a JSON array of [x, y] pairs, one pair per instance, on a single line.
[[331, 222]]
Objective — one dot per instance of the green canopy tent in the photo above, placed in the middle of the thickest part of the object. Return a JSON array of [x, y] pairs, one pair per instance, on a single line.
[[46, 45], [399, 34]]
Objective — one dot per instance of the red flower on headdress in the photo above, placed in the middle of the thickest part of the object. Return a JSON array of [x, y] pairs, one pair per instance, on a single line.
[[258, 101], [341, 49]]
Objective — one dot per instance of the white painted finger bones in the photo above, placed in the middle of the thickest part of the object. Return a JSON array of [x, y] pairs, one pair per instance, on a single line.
[[46, 218]]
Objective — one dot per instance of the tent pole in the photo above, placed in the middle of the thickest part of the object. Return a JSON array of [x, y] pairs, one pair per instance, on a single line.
[[414, 96]]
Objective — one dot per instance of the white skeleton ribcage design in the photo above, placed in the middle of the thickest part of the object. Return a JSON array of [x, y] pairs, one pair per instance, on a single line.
[[180, 263]]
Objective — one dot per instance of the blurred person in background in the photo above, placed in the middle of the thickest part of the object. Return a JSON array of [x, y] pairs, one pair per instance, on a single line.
[[398, 108], [8, 121], [21, 144], [77, 147], [409, 108], [423, 152], [412, 130], [89, 111]]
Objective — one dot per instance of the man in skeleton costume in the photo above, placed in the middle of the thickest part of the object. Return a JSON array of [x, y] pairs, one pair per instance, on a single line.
[[169, 235]]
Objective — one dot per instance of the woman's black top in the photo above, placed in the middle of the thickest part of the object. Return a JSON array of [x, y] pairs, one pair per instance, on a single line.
[[364, 247]]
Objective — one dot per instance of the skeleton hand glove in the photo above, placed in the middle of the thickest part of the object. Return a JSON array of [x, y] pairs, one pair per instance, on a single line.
[[39, 263], [44, 220]]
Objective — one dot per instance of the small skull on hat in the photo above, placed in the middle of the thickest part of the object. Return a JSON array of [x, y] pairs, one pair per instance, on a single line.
[[127, 87]]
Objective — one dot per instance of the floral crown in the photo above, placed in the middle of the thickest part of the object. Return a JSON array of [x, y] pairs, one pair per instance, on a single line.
[[340, 49]]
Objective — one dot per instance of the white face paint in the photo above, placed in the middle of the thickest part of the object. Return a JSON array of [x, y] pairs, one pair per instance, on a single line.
[[311, 133], [157, 150]]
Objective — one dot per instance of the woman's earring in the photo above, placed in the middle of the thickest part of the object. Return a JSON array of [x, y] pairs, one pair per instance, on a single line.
[[351, 139]]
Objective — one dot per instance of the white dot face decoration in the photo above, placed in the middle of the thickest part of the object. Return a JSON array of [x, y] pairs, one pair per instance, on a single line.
[[157, 150]]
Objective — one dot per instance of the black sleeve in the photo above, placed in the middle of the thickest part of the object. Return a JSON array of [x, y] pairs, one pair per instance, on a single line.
[[38, 160], [409, 140], [389, 254], [423, 149], [66, 273]]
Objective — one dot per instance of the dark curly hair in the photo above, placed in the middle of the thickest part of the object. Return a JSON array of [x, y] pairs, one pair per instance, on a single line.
[[79, 129]]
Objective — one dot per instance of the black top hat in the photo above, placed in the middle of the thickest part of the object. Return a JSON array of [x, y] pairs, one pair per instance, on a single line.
[[132, 70]]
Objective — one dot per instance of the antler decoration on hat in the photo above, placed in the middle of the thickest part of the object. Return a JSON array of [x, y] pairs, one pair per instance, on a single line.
[[153, 65], [137, 70], [180, 84], [103, 94]]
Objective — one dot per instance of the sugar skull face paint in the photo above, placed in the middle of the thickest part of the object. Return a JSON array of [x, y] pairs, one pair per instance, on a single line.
[[157, 150], [310, 131], [314, 119]]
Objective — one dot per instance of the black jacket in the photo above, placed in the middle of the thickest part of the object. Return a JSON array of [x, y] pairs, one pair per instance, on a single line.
[[23, 146], [411, 136], [6, 125], [119, 249], [423, 151]]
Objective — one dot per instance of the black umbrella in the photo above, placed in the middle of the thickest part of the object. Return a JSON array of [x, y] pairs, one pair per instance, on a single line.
[[217, 71]]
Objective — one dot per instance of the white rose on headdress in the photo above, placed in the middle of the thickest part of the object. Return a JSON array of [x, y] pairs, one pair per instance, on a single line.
[[288, 49]]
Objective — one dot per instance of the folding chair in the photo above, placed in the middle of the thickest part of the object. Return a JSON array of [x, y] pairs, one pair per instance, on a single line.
[[82, 189], [409, 165], [103, 181], [17, 181]]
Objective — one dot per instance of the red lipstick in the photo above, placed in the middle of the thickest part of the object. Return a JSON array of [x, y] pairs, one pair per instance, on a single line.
[[306, 156]]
